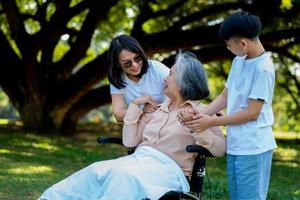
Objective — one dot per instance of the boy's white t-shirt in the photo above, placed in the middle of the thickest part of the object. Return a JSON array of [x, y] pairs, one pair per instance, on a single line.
[[251, 79], [151, 84]]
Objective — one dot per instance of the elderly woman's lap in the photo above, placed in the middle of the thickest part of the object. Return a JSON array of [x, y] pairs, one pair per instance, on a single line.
[[128, 177]]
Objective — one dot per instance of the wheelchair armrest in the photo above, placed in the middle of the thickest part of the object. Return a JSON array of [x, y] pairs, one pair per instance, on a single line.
[[198, 149], [105, 140]]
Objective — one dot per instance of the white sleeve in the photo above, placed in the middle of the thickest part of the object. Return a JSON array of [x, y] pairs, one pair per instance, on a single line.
[[263, 85], [114, 90], [160, 69]]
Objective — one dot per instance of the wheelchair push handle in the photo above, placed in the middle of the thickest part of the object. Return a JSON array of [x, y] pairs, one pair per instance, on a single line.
[[198, 149]]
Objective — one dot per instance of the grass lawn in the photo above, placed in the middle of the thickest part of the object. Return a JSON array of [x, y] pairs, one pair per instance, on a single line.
[[31, 163]]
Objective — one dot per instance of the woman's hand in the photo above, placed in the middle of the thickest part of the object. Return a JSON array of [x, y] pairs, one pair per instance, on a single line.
[[149, 108], [148, 101]]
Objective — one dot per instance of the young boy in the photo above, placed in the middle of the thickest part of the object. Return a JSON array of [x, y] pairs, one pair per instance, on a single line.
[[248, 96]]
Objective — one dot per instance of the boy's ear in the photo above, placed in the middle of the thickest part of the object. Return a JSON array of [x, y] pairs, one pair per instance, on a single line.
[[244, 42]]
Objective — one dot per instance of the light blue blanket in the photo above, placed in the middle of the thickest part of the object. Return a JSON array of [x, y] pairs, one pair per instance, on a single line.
[[147, 173]]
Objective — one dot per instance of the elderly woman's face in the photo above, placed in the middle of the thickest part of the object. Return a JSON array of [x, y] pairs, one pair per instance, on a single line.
[[170, 84]]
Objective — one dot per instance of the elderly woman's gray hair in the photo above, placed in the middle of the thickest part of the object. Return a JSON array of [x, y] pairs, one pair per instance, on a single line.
[[191, 76]]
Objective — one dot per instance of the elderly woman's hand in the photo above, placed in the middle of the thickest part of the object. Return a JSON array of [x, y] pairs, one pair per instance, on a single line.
[[185, 115], [149, 108], [150, 103]]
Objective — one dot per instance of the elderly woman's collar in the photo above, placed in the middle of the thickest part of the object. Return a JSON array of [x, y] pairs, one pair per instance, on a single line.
[[165, 105]]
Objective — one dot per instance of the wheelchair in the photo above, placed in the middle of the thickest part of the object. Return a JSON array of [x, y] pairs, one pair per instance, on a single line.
[[198, 173]]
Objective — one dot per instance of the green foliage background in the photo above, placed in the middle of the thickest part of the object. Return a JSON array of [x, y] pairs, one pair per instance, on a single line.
[[121, 20]]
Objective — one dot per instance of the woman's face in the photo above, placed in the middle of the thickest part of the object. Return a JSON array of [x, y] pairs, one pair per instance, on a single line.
[[130, 62], [171, 88]]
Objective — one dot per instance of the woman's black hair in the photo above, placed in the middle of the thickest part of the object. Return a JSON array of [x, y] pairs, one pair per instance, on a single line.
[[115, 72]]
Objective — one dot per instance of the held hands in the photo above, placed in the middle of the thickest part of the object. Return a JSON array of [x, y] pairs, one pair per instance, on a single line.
[[194, 120], [186, 115], [150, 103], [200, 122], [149, 108]]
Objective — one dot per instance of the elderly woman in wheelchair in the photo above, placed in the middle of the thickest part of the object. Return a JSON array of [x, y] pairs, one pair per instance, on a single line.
[[160, 162]]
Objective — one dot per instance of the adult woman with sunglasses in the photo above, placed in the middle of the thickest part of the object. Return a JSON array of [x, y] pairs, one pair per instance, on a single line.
[[132, 75]]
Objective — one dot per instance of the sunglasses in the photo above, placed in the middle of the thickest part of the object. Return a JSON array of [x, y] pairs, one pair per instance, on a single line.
[[128, 63]]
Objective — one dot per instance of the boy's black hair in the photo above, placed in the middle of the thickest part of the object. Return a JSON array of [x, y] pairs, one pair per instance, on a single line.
[[115, 72], [240, 24]]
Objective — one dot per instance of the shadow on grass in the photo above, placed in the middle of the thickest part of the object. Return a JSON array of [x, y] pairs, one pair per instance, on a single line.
[[30, 163]]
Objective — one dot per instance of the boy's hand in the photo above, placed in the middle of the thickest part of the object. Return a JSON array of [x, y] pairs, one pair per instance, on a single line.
[[200, 122]]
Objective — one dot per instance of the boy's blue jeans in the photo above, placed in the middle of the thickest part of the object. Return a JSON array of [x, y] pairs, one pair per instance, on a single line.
[[249, 175]]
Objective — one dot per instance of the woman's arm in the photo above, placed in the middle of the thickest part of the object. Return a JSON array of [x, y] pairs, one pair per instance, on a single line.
[[118, 106]]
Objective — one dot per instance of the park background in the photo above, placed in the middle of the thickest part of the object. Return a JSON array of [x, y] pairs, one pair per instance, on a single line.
[[54, 97]]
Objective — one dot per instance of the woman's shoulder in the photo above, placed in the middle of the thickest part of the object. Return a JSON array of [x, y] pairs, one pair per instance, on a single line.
[[156, 64], [158, 68]]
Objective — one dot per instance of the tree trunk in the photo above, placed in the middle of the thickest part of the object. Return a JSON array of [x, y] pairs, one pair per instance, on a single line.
[[85, 105]]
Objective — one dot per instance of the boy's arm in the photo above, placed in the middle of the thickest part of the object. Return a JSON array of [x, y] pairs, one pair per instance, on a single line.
[[191, 116], [249, 114], [218, 104]]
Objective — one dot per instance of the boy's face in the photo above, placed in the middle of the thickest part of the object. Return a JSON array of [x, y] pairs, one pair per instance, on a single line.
[[237, 46]]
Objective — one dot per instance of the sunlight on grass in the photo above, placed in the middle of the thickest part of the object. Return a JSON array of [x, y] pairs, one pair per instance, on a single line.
[[4, 121], [5, 151], [292, 165], [45, 146], [287, 135], [30, 163], [7, 121], [30, 169], [287, 153], [26, 154], [288, 156]]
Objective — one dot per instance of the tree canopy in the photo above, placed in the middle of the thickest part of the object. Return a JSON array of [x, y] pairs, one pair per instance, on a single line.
[[53, 52]]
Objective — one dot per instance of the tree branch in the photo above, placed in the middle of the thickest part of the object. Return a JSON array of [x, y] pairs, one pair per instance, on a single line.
[[67, 93], [98, 12], [41, 12], [211, 10], [10, 81], [91, 100], [15, 21], [146, 13]]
